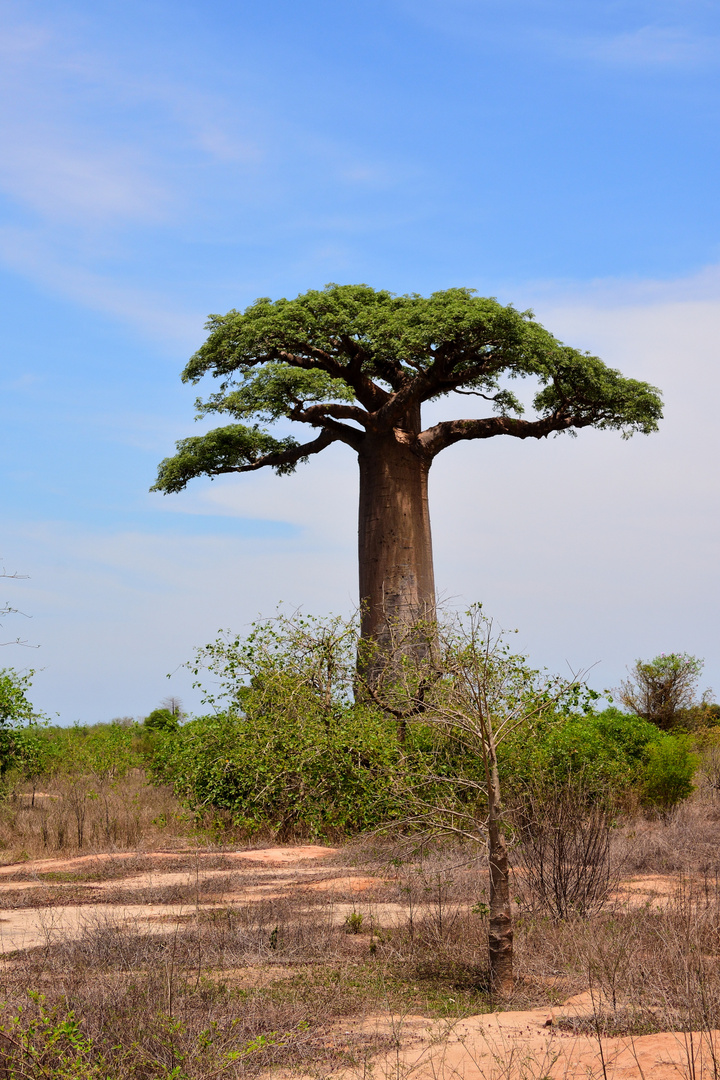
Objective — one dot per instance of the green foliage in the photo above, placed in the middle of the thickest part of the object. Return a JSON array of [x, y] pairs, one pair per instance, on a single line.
[[699, 718], [603, 754], [225, 449], [35, 754], [15, 708], [605, 749], [289, 770], [105, 752], [480, 700], [161, 720], [15, 712], [669, 771], [343, 352], [354, 922], [289, 748], [48, 1042], [314, 657]]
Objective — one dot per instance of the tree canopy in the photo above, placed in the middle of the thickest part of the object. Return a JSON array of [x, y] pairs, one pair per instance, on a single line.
[[350, 361], [663, 689]]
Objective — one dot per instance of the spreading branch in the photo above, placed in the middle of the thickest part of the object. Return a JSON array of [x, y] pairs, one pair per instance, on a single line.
[[234, 449], [440, 436]]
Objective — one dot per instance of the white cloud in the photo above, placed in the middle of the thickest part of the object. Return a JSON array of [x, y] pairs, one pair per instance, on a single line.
[[35, 256], [560, 29], [103, 163], [600, 549], [58, 158], [114, 614], [65, 182]]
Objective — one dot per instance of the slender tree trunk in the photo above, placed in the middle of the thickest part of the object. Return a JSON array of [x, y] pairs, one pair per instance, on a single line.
[[500, 934], [397, 584]]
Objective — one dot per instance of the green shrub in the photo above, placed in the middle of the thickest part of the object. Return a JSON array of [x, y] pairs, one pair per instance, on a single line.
[[161, 720], [288, 748], [601, 753], [292, 771], [669, 771], [16, 713]]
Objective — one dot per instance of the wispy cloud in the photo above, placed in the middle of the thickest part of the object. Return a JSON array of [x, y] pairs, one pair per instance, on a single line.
[[90, 152], [647, 46], [104, 157], [623, 292], [657, 35], [65, 182], [154, 313], [609, 573], [57, 160]]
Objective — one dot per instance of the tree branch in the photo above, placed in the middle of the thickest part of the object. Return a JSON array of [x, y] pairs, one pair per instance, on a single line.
[[314, 414], [388, 370], [236, 449], [285, 457], [431, 441], [366, 391]]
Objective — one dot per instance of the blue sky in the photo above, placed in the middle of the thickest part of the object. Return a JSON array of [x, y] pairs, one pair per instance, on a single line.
[[161, 161]]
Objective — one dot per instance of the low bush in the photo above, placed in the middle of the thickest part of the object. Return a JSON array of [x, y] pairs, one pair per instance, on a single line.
[[668, 772], [294, 771], [289, 749], [603, 753]]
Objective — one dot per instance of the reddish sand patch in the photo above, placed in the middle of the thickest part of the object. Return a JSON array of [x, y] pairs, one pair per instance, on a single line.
[[498, 1046], [283, 854], [529, 1044], [344, 884], [655, 888], [48, 866], [277, 855]]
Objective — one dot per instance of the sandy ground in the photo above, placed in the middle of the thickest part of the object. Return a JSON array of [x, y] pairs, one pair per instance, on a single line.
[[526, 1045], [530, 1046], [272, 856], [23, 928]]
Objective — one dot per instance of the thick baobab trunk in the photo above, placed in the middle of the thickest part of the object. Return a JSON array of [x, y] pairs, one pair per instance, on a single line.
[[397, 584], [500, 934]]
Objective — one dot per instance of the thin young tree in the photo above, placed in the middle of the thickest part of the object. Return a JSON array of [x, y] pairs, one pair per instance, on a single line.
[[357, 366], [475, 690]]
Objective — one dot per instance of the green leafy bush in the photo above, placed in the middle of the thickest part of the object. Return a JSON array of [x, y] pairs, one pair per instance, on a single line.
[[601, 753], [16, 712], [669, 771], [290, 749], [291, 771], [663, 689], [161, 720], [47, 1042]]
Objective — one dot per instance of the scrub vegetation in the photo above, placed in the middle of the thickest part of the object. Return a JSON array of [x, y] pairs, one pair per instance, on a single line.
[[494, 809]]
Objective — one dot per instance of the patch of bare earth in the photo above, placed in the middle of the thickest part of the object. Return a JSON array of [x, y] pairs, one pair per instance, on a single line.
[[533, 1044], [311, 959]]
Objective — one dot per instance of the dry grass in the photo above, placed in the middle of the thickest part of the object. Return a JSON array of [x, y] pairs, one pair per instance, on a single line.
[[232, 991], [688, 842], [203, 999], [75, 814]]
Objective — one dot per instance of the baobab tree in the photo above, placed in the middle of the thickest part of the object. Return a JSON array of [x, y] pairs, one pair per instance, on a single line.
[[357, 365]]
